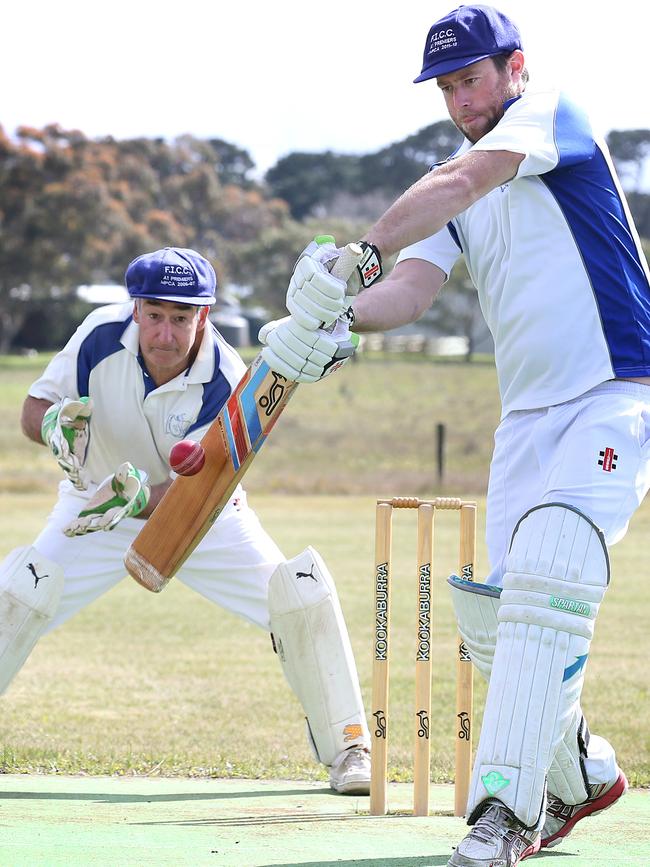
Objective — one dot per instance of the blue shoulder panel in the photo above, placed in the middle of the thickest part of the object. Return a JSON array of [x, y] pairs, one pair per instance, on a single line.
[[587, 195], [573, 134], [98, 345]]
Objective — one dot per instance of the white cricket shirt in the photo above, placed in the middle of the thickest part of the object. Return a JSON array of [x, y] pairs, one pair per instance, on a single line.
[[133, 420], [561, 277]]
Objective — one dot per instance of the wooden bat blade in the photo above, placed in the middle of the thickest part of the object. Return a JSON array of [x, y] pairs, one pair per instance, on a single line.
[[193, 503]]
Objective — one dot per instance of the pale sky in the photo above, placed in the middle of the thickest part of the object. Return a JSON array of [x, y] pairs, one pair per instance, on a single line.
[[274, 77]]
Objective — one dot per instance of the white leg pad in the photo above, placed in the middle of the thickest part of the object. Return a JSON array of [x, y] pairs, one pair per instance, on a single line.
[[567, 776], [476, 607], [557, 572], [312, 641], [30, 589]]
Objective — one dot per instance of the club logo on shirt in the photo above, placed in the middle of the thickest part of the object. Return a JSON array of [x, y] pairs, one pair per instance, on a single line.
[[177, 424], [607, 460]]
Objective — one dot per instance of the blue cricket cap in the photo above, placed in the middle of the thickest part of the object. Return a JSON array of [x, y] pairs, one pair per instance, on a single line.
[[172, 274], [465, 36]]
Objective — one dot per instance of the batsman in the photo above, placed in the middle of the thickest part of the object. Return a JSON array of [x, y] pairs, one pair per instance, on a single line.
[[532, 201], [135, 379]]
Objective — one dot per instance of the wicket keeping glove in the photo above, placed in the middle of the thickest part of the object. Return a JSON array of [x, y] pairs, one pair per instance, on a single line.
[[305, 355], [122, 495], [65, 429]]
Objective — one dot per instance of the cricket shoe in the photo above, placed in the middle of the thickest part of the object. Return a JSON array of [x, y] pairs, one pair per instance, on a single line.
[[497, 839], [350, 772], [561, 818]]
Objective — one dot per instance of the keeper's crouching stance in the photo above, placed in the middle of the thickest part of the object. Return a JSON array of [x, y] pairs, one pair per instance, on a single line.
[[159, 362], [308, 632]]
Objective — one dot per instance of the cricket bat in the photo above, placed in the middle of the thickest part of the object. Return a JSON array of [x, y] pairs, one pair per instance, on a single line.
[[192, 504]]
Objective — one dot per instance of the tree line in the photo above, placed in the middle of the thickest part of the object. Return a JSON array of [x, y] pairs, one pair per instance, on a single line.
[[76, 210]]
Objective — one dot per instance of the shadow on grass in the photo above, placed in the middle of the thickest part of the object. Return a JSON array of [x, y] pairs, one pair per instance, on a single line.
[[104, 798], [407, 861], [420, 861]]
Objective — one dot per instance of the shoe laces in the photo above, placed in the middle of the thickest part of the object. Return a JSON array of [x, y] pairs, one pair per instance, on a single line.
[[496, 821], [353, 758]]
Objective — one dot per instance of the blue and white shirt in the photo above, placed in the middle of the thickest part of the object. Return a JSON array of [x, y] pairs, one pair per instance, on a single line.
[[562, 280], [133, 420]]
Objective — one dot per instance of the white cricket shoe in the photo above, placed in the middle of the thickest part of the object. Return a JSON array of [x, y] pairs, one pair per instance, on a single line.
[[561, 818], [496, 840], [350, 772]]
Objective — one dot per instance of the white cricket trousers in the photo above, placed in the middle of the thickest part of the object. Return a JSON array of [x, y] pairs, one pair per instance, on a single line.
[[592, 453], [231, 566]]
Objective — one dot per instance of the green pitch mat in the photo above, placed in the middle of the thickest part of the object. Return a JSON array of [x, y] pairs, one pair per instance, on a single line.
[[46, 821]]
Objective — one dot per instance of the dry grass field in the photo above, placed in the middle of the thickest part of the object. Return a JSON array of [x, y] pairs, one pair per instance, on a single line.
[[144, 684]]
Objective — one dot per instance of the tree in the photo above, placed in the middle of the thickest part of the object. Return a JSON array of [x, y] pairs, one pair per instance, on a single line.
[[306, 180], [353, 186], [394, 168], [630, 150], [266, 263], [232, 163], [74, 210]]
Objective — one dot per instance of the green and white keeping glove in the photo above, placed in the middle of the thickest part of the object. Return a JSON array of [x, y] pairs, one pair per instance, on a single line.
[[304, 355], [66, 430], [122, 495]]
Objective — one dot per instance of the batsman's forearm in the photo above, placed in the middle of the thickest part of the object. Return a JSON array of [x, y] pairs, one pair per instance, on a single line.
[[381, 307], [402, 297], [438, 197], [424, 209]]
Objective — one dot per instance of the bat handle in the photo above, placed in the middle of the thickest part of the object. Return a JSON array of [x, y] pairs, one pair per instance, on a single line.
[[348, 260]]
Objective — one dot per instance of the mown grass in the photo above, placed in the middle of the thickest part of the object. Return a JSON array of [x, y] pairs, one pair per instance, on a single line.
[[147, 684]]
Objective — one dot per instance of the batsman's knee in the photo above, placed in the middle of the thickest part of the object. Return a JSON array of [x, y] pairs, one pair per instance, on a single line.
[[557, 570]]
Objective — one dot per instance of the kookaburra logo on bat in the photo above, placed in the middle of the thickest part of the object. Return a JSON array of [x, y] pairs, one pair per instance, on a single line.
[[277, 388]]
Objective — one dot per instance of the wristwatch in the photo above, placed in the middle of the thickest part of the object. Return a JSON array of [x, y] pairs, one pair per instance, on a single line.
[[349, 317]]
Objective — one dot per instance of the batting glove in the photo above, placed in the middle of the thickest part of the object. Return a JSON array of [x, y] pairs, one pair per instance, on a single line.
[[122, 495], [306, 355], [315, 298], [65, 429]]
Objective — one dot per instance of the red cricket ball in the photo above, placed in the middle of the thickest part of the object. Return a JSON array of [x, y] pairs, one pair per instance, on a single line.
[[186, 457]]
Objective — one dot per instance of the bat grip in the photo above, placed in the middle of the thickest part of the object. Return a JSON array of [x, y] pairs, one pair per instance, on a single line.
[[348, 260]]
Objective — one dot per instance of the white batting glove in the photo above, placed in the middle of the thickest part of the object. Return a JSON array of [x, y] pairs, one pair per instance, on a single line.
[[315, 298], [65, 429], [122, 495], [306, 355]]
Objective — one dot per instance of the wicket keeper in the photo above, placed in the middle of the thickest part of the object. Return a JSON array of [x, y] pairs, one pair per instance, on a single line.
[[133, 380]]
